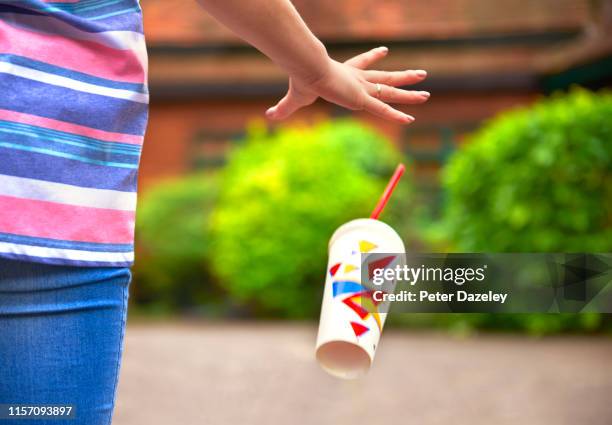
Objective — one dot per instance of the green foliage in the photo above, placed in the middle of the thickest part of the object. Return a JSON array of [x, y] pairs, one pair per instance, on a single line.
[[536, 179], [532, 180], [282, 196], [172, 229]]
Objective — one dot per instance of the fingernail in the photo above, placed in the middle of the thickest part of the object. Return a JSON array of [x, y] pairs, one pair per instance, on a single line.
[[408, 118], [421, 73], [425, 94], [383, 48]]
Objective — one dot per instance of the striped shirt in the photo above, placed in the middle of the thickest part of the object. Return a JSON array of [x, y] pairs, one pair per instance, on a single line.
[[73, 111]]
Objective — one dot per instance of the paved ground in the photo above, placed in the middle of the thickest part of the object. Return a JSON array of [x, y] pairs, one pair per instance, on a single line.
[[265, 374]]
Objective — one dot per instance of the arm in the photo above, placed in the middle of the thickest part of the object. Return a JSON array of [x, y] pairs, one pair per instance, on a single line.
[[277, 30]]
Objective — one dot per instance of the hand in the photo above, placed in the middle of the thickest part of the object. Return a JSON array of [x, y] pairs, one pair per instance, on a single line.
[[352, 86]]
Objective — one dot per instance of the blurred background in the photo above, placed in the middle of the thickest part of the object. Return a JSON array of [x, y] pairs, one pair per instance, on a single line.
[[513, 153]]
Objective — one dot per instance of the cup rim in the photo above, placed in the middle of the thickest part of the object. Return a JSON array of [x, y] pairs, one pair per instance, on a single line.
[[361, 222], [347, 373]]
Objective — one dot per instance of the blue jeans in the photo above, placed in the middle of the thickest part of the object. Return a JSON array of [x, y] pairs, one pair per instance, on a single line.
[[61, 339]]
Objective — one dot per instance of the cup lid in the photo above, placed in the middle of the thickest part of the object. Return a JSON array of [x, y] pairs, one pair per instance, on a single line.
[[367, 224]]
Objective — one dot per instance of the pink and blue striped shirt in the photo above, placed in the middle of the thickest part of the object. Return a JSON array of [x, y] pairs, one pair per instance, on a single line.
[[73, 112]]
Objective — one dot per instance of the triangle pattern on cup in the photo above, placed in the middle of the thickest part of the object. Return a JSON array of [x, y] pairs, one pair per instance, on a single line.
[[334, 269], [349, 268], [359, 329], [381, 263], [365, 246]]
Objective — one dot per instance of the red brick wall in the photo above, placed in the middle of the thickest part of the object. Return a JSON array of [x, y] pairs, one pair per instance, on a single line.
[[181, 21], [173, 126]]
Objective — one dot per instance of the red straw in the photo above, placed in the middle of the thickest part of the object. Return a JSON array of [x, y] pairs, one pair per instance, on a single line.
[[388, 191]]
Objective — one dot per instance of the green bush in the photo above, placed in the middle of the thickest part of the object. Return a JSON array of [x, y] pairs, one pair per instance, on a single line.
[[533, 180], [536, 179], [282, 196], [171, 269]]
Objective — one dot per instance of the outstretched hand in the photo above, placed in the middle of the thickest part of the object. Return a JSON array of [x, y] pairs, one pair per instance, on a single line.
[[353, 86]]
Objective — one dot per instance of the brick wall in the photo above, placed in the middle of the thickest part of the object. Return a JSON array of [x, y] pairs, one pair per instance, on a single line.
[[187, 135]]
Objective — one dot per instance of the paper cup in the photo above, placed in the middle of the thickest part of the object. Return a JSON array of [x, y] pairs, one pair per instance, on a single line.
[[348, 333]]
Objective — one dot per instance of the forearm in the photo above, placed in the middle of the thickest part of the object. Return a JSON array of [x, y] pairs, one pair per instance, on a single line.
[[276, 29]]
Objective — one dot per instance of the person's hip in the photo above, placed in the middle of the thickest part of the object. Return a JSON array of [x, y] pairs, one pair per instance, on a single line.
[[61, 336]]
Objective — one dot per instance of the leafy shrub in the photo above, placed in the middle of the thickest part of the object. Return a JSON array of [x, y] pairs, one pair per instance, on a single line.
[[282, 196], [171, 267], [536, 179]]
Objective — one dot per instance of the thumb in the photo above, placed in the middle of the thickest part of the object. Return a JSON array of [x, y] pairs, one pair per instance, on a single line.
[[285, 107], [294, 99]]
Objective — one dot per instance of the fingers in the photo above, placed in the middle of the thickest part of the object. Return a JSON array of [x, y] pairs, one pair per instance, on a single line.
[[392, 95], [396, 78], [366, 59], [381, 109]]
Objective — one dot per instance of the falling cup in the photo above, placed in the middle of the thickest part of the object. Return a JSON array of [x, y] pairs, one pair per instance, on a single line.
[[352, 320]]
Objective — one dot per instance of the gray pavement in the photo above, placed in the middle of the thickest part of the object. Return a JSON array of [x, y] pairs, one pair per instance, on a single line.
[[240, 373]]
